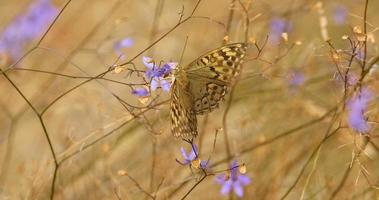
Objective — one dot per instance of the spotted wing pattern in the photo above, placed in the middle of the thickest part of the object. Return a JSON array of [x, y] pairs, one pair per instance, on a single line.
[[211, 75], [200, 86], [183, 117]]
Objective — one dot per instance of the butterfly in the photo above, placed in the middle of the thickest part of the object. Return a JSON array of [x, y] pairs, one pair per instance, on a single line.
[[199, 87]]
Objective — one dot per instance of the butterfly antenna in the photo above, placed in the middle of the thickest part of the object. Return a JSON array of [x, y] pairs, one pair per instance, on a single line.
[[247, 21], [184, 48]]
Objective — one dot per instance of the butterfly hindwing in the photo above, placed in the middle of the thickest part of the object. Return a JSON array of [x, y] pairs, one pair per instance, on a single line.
[[210, 75], [183, 117]]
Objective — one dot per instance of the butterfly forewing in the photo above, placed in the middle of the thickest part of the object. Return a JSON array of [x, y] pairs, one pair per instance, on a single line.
[[211, 75], [183, 117]]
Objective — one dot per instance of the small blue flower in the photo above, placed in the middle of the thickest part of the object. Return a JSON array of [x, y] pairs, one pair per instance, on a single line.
[[158, 75], [141, 92], [235, 181], [357, 107], [277, 27], [25, 28], [188, 158], [296, 79], [191, 156], [121, 44], [340, 14]]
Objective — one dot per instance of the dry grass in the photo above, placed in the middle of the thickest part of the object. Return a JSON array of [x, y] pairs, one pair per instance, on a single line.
[[108, 144]]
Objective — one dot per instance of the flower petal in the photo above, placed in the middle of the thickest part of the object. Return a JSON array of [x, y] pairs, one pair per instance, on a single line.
[[220, 179], [172, 65], [226, 187], [126, 42], [154, 84], [27, 27], [184, 153], [357, 107], [238, 190], [192, 154], [204, 164], [243, 179], [141, 92], [149, 73], [148, 62], [166, 85], [340, 14]]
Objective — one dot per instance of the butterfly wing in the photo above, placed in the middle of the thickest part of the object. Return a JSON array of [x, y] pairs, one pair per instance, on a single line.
[[183, 117], [210, 75]]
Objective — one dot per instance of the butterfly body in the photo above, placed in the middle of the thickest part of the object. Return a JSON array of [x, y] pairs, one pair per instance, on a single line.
[[199, 87]]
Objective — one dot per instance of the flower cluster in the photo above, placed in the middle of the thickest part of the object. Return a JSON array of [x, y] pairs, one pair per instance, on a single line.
[[159, 77], [25, 28], [234, 180], [357, 107]]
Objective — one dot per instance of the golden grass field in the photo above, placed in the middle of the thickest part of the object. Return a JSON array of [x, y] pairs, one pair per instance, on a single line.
[[71, 127]]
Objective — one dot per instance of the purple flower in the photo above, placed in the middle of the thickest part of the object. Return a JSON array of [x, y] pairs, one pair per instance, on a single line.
[[158, 75], [188, 158], [296, 79], [121, 44], [357, 106], [340, 14], [141, 92], [191, 156], [235, 181], [25, 28], [277, 27]]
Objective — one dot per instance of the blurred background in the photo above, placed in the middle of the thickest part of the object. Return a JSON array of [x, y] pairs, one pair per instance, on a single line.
[[79, 119]]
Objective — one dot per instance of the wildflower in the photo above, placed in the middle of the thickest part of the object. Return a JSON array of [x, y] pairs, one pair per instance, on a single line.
[[233, 181], [357, 107], [188, 158], [296, 79], [118, 46], [141, 92], [192, 157], [339, 15], [159, 75], [278, 26], [26, 28]]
